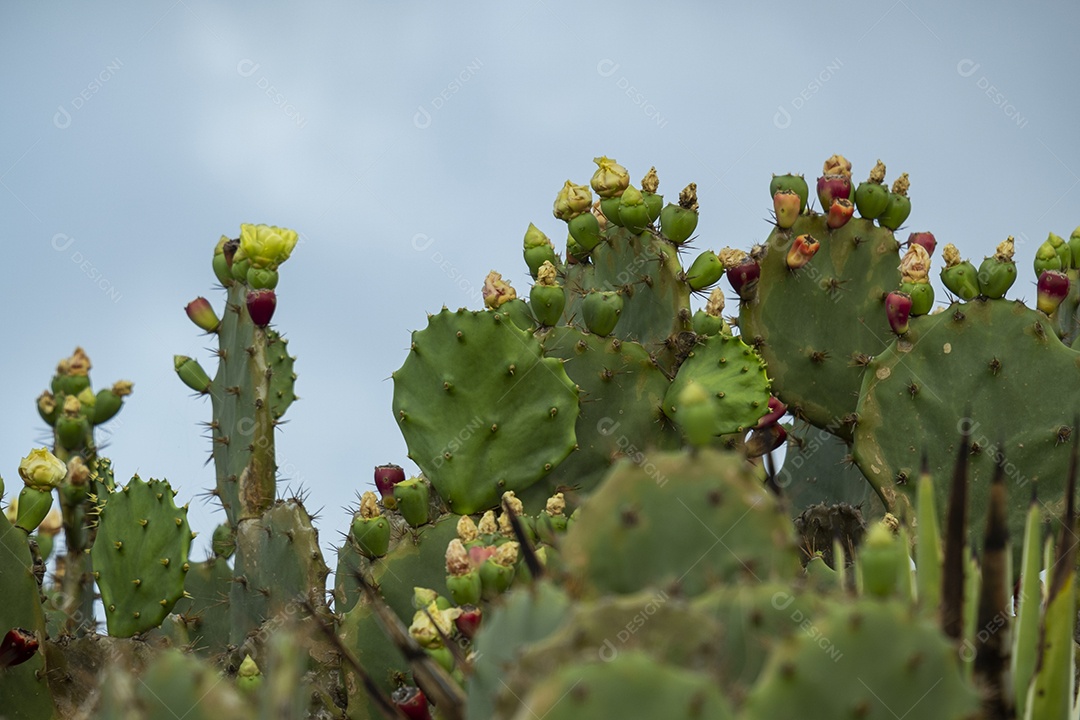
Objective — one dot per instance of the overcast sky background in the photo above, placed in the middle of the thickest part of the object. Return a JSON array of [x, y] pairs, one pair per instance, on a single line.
[[411, 144]]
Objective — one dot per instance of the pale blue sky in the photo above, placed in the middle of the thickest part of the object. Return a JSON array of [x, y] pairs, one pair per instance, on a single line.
[[411, 144]]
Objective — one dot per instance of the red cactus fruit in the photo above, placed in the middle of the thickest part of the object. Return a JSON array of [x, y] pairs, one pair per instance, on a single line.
[[468, 622], [411, 702], [261, 305], [898, 310], [1053, 288], [386, 477], [18, 646], [927, 240]]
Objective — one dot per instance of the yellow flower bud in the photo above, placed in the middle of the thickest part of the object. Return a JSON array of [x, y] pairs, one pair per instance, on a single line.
[[915, 267], [72, 406], [466, 529], [42, 470], [572, 200], [487, 524], [610, 178], [556, 504], [369, 506]]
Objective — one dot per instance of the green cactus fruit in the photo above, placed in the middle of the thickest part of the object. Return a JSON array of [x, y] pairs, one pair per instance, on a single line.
[[871, 199], [249, 677], [677, 223], [538, 249], [413, 498], [192, 374], [733, 374], [896, 212], [1074, 248], [546, 297], [372, 535], [223, 541], [899, 207], [585, 229], [140, 555], [959, 276], [495, 578], [520, 314], [881, 560], [997, 272], [654, 203], [1046, 258], [633, 212], [223, 260], [706, 324], [610, 207], [465, 589], [791, 183], [547, 302], [107, 403], [922, 297], [1063, 250], [262, 278], [705, 270], [33, 506], [477, 434], [73, 433], [697, 409], [601, 310]]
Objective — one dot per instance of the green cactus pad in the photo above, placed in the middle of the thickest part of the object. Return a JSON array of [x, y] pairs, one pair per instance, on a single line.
[[817, 326], [818, 468], [647, 271], [174, 685], [870, 659], [481, 409], [205, 609], [279, 567], [631, 685], [732, 372], [682, 520], [1002, 360], [140, 555], [24, 687], [250, 392], [621, 391]]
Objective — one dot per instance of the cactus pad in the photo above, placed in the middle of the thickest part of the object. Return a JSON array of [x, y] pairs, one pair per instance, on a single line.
[[679, 521], [1002, 360], [481, 409], [726, 367], [817, 326], [140, 555], [870, 659]]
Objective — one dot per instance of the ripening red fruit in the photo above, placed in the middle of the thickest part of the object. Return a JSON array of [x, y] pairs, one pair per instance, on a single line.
[[261, 305]]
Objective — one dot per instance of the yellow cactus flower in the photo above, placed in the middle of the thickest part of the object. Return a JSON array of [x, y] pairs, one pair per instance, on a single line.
[[497, 291], [267, 246], [610, 178], [572, 200], [42, 470]]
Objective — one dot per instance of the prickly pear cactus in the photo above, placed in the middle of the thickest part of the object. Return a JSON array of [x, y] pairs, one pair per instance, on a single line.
[[140, 555], [868, 659], [818, 324], [253, 386], [600, 689], [481, 409], [685, 521], [621, 391], [960, 369], [23, 681]]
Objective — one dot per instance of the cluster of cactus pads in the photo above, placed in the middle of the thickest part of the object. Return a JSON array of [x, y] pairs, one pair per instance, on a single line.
[[599, 526]]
